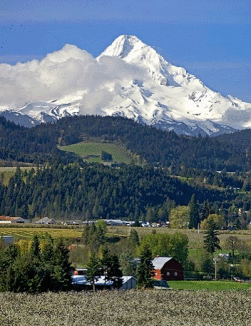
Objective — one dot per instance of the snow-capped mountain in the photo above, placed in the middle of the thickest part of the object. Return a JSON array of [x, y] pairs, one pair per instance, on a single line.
[[131, 79]]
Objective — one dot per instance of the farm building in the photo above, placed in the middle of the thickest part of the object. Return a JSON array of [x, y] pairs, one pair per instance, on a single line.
[[129, 282], [11, 220], [45, 220], [167, 268], [80, 282]]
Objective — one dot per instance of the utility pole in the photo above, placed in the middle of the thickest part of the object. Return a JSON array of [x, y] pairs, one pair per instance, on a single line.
[[215, 268]]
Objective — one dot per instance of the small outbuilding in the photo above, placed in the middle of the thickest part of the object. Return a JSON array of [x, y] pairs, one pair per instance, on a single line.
[[168, 269], [80, 282], [129, 282], [11, 220], [45, 220]]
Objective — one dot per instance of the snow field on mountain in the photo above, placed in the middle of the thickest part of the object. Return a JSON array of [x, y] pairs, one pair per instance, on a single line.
[[129, 79]]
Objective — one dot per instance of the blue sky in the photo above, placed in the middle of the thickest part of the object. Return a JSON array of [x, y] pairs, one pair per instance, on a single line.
[[209, 38]]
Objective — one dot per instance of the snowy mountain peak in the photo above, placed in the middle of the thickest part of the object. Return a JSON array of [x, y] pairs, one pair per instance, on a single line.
[[123, 45], [128, 79]]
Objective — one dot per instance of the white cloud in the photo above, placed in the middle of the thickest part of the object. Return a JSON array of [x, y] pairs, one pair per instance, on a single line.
[[62, 73]]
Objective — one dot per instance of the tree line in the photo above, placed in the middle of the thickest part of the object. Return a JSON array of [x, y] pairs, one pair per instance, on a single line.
[[157, 147], [35, 269], [93, 191]]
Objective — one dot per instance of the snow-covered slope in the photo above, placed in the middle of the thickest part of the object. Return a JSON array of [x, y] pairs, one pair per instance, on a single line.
[[131, 79]]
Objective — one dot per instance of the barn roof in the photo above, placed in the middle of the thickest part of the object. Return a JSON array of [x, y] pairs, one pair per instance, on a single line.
[[159, 262]]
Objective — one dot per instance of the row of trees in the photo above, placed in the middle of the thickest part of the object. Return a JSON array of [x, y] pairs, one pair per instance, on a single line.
[[178, 152], [96, 191], [37, 268]]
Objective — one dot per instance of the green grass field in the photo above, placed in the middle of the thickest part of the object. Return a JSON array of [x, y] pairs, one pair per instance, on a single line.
[[27, 233], [6, 172], [91, 151], [196, 240], [209, 285]]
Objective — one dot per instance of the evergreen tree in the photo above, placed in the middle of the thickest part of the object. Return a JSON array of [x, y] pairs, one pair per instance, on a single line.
[[114, 272], [35, 250], [111, 268], [134, 238], [93, 270], [194, 217], [127, 263], [206, 210], [145, 270], [211, 241], [62, 267], [86, 234]]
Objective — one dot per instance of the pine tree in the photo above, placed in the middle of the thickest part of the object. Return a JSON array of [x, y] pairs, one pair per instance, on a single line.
[[93, 270], [127, 263], [145, 270], [114, 272], [62, 267], [35, 250], [86, 234], [134, 238], [111, 268], [194, 213], [211, 241]]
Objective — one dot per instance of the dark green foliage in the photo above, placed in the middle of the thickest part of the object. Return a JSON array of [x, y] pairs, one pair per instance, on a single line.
[[167, 245], [94, 235], [145, 270], [94, 270], [111, 268], [206, 210], [207, 266], [86, 234], [39, 144], [91, 191], [134, 238], [106, 156], [114, 272], [62, 267], [35, 251], [127, 263], [194, 213], [35, 271], [211, 241]]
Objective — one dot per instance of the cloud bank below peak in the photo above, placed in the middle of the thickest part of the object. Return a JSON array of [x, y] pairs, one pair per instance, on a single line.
[[61, 73]]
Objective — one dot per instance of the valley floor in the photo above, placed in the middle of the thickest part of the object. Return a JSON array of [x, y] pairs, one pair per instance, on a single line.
[[134, 307]]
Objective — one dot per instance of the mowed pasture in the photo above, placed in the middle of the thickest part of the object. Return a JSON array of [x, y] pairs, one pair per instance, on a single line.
[[123, 308], [28, 232], [91, 151], [209, 285]]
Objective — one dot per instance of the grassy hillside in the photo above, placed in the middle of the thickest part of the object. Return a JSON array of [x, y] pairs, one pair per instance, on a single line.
[[91, 151]]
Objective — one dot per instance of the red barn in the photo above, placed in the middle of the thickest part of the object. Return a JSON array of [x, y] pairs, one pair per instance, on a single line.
[[167, 268]]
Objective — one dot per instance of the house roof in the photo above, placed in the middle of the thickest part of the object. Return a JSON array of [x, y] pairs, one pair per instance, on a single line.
[[82, 280], [11, 218], [159, 262], [45, 220], [6, 218]]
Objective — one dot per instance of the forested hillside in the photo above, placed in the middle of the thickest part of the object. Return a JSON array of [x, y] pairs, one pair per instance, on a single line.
[[160, 148], [95, 191]]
